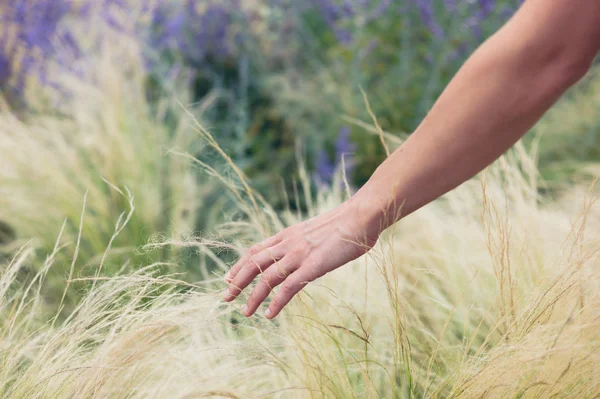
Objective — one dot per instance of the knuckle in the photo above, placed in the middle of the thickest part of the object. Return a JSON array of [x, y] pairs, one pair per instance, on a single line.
[[303, 244], [275, 253], [287, 289], [299, 251], [289, 233], [315, 260], [304, 281], [255, 249], [308, 276], [280, 272], [254, 299], [275, 304], [282, 246], [265, 279], [235, 289], [236, 268], [255, 268], [251, 260], [280, 235]]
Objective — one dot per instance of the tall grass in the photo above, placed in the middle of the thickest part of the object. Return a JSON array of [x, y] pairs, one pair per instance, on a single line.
[[104, 148], [488, 292]]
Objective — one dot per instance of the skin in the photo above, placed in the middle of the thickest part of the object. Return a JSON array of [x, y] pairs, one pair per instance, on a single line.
[[500, 92]]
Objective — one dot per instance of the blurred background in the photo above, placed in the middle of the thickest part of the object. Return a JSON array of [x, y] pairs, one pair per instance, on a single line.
[[98, 98]]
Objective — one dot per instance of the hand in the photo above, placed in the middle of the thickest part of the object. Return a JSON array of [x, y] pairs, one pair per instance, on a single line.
[[298, 255]]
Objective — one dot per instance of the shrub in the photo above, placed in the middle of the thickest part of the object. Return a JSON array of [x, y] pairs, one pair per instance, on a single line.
[[402, 54], [278, 71]]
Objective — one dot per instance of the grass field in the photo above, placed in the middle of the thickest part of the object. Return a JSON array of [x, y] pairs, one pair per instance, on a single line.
[[491, 291], [132, 178]]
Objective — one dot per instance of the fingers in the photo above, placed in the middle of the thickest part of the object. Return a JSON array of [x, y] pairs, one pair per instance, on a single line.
[[254, 250], [251, 267], [290, 287], [275, 275]]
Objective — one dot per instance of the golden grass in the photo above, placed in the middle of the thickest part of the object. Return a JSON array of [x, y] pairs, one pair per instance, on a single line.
[[491, 291], [105, 138], [488, 292]]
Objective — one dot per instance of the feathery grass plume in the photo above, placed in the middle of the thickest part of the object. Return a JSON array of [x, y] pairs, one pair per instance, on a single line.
[[105, 131], [490, 291]]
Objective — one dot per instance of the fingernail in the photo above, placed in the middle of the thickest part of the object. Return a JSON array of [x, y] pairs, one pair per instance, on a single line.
[[268, 313], [228, 276], [244, 309], [226, 294]]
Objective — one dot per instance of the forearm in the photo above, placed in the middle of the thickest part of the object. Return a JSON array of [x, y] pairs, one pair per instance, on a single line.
[[498, 95]]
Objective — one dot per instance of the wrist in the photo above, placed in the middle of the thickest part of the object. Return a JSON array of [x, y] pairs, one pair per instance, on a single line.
[[367, 207]]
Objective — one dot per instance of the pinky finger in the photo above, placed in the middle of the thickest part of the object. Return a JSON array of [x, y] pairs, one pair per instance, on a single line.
[[291, 286]]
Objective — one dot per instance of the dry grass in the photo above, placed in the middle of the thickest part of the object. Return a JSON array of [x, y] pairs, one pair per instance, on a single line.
[[103, 139], [489, 292]]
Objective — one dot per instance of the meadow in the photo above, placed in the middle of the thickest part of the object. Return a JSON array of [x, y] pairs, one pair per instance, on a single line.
[[144, 146]]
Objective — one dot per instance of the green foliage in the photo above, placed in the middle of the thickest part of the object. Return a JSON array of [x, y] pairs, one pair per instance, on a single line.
[[104, 150], [396, 58], [568, 136]]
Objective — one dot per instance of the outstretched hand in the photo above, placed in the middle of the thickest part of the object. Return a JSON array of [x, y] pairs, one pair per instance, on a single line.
[[298, 255]]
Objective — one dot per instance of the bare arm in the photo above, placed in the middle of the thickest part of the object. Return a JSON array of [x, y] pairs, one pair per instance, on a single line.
[[495, 98]]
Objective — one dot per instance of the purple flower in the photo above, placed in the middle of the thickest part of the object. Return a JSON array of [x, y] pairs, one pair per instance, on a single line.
[[335, 16], [344, 146], [380, 10], [483, 11], [194, 32], [347, 9], [34, 26], [487, 6], [191, 29], [344, 36], [428, 16], [450, 5], [5, 68], [325, 168]]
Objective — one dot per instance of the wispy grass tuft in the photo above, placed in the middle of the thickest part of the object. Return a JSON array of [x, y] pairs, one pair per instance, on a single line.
[[106, 139], [490, 291]]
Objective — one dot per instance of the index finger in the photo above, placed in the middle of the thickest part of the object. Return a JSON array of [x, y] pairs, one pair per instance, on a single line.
[[254, 250]]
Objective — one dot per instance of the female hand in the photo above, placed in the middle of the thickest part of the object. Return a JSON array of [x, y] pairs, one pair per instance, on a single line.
[[298, 255]]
